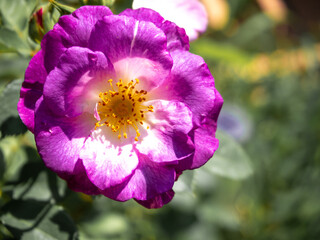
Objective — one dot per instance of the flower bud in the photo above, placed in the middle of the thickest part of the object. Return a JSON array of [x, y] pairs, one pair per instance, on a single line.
[[42, 21], [36, 29]]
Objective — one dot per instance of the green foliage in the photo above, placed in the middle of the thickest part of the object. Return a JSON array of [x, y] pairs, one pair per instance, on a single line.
[[37, 220], [10, 41], [108, 3], [230, 160], [30, 194], [263, 188], [14, 157], [14, 18], [9, 97], [63, 8], [11, 67]]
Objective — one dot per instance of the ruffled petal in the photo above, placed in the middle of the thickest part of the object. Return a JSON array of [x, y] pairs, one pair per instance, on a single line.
[[205, 146], [108, 161], [79, 181], [188, 14], [204, 139], [167, 139], [73, 86], [59, 140], [158, 201], [71, 30], [191, 83], [26, 106], [148, 181], [176, 36], [133, 46], [31, 90], [215, 111]]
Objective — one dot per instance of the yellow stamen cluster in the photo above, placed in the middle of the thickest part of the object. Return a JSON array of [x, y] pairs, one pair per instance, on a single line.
[[122, 108]]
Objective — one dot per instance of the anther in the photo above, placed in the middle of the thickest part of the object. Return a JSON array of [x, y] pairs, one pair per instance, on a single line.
[[115, 105]]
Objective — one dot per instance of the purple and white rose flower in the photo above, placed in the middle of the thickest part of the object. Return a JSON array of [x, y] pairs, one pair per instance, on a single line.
[[118, 105]]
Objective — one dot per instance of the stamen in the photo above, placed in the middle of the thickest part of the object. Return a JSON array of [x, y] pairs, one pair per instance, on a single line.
[[123, 107]]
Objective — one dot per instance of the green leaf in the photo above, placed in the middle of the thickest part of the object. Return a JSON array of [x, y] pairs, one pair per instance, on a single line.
[[2, 165], [38, 220], [218, 213], [185, 201], [184, 197], [38, 183], [198, 230], [64, 9], [230, 160], [14, 18], [9, 99], [26, 176], [105, 225], [15, 14], [14, 155], [11, 42], [50, 16], [121, 5], [185, 181], [108, 3], [12, 126], [12, 66]]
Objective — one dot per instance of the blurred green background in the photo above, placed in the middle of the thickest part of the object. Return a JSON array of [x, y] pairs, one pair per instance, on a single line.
[[262, 184]]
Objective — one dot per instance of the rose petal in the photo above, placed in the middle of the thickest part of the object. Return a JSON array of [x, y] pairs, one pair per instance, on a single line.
[[205, 146], [191, 83], [148, 181], [126, 42], [158, 201], [204, 139], [167, 139], [31, 90], [107, 160], [59, 140], [79, 181], [71, 30], [176, 36], [74, 85]]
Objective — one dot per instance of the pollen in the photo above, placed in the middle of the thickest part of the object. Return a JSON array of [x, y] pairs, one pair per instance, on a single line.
[[123, 107]]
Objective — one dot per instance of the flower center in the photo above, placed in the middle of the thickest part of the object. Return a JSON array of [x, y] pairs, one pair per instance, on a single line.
[[122, 108]]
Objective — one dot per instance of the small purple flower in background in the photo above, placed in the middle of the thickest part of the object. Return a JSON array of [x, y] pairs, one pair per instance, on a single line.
[[235, 121], [188, 14], [118, 105]]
